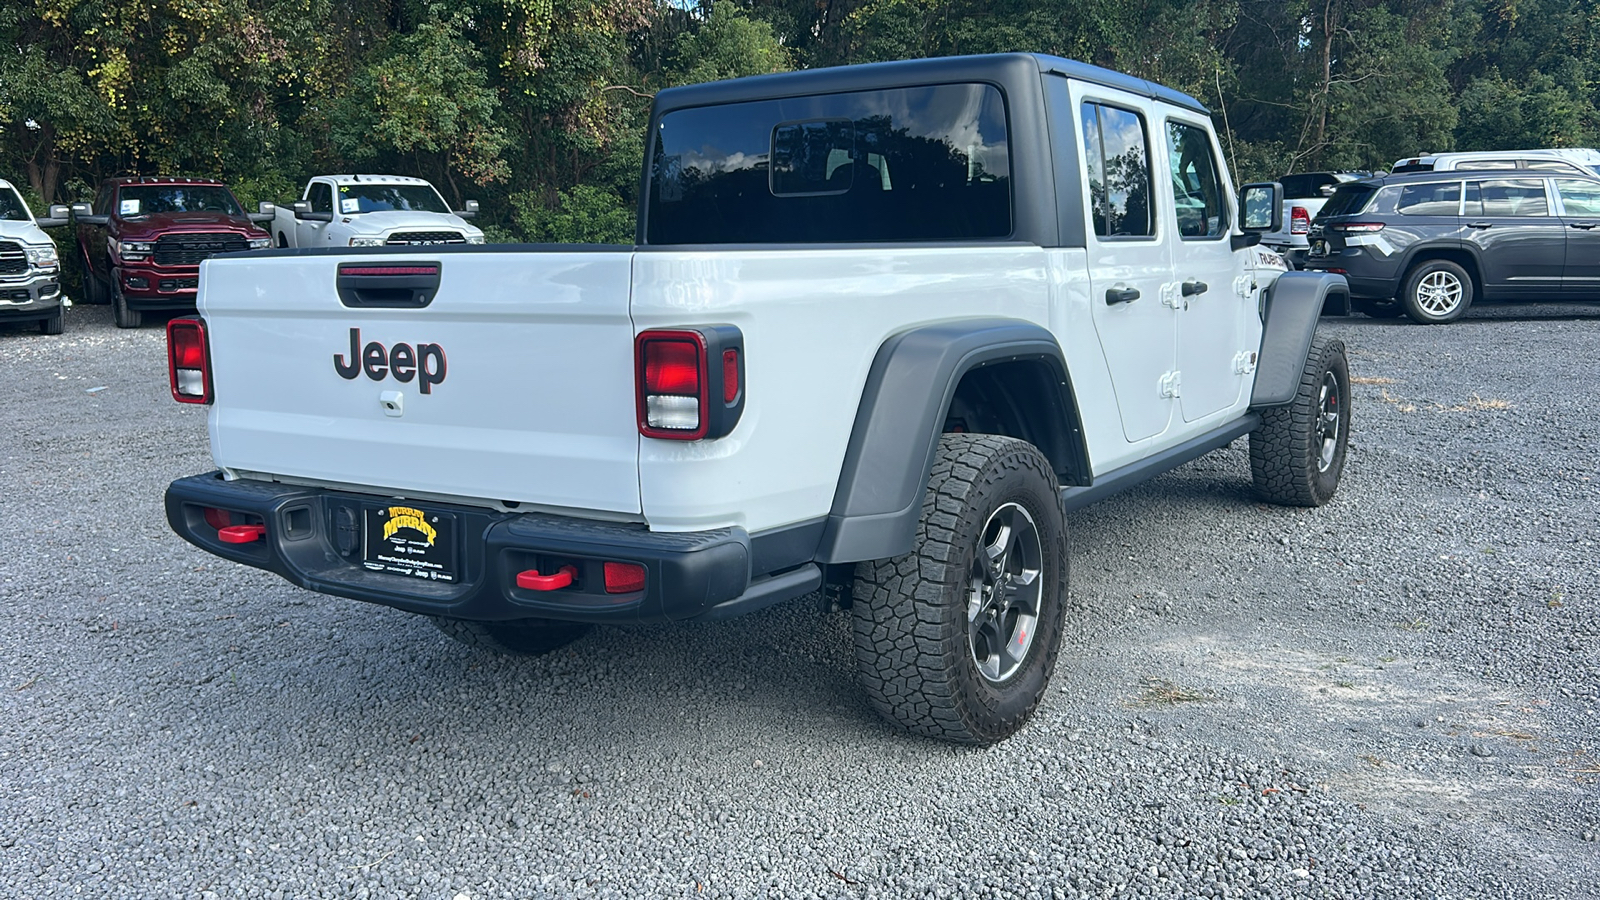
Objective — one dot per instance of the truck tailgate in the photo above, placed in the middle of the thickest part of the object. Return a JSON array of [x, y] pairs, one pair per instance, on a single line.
[[515, 383]]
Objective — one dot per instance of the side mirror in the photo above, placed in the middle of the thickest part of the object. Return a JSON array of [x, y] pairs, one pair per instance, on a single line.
[[470, 211], [267, 212], [84, 216], [59, 215], [1262, 207], [302, 211]]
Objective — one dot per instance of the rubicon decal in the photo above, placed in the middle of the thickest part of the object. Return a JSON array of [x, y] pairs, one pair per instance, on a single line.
[[424, 362]]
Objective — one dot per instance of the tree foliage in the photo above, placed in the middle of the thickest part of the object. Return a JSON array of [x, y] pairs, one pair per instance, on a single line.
[[537, 108]]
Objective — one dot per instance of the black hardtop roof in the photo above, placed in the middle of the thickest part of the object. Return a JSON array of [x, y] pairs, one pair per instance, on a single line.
[[998, 67]]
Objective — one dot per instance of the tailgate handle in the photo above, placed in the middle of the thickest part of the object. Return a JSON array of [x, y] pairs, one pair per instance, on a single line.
[[531, 580], [388, 285]]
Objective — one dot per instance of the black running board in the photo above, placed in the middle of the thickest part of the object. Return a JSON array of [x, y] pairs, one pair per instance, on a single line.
[[1145, 469]]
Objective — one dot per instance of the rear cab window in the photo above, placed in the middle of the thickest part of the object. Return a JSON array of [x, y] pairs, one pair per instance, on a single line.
[[910, 164], [1579, 197]]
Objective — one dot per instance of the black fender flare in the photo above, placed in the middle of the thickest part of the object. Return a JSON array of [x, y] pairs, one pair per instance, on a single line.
[[904, 403], [1294, 303]]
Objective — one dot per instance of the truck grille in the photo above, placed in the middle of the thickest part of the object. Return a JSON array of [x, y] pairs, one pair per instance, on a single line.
[[192, 249], [406, 238], [12, 260]]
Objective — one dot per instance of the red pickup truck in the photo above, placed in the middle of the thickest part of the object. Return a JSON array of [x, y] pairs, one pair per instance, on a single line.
[[143, 240]]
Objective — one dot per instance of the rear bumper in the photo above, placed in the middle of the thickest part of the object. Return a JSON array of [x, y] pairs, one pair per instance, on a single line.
[[312, 539]]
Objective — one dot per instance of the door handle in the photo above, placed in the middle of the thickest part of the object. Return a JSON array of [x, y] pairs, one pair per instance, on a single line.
[[1584, 225], [1194, 286], [1121, 293], [1480, 224]]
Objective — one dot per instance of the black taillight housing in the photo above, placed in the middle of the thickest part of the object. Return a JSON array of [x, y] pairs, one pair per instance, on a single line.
[[189, 360], [690, 381]]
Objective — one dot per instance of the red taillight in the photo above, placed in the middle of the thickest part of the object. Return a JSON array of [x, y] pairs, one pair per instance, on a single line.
[[672, 366], [1358, 227], [624, 578], [671, 369], [188, 361], [1299, 220], [730, 375]]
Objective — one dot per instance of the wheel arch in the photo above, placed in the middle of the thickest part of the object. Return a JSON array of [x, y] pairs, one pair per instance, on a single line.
[[920, 378], [1293, 305], [1460, 255]]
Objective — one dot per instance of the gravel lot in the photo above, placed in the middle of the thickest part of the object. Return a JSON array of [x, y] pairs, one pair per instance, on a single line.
[[1397, 695]]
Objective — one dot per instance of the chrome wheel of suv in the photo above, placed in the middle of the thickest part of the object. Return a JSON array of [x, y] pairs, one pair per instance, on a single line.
[[1439, 293], [1436, 291]]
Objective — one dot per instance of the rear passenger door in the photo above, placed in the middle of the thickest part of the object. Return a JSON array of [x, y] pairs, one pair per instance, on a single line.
[[1130, 261], [1521, 243], [1580, 210], [1211, 317]]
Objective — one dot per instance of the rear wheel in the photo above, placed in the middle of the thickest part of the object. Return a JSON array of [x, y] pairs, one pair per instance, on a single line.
[[1436, 291], [957, 639], [94, 290], [1297, 454], [516, 637], [125, 316]]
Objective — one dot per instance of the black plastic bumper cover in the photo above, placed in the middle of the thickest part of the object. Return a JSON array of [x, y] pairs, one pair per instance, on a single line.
[[309, 541]]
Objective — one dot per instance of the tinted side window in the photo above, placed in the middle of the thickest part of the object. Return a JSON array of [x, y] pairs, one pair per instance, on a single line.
[[1507, 197], [912, 164], [1440, 199], [321, 198], [1200, 209], [1554, 165], [1307, 186], [1579, 198], [1488, 164], [102, 200], [1119, 171]]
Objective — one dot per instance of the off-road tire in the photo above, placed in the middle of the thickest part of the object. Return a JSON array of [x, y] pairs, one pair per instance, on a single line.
[[914, 651], [1426, 288], [55, 324], [514, 637], [1291, 460], [124, 315], [1377, 309]]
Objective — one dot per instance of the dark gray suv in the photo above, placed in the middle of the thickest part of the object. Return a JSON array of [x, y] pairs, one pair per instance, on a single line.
[[1428, 244]]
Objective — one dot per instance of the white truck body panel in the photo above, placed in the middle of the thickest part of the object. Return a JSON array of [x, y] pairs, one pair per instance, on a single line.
[[812, 321], [536, 406]]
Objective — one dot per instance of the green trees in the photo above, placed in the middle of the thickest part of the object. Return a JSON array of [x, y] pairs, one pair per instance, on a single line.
[[537, 107]]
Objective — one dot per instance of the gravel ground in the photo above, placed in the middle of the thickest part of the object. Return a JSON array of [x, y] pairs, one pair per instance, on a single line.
[[1392, 696]]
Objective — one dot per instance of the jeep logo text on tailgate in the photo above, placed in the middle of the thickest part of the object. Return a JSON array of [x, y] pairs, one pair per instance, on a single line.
[[425, 362]]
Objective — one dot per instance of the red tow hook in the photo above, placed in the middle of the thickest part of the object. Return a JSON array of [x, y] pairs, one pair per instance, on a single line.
[[531, 580], [241, 534]]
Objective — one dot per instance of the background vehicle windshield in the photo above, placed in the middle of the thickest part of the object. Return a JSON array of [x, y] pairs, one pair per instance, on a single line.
[[1306, 187], [148, 199], [365, 198], [11, 207]]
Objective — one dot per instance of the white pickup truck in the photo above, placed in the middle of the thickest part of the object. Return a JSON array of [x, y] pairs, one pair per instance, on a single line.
[[371, 211], [881, 328], [30, 267]]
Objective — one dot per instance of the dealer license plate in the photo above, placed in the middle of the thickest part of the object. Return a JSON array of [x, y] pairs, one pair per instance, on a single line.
[[411, 541]]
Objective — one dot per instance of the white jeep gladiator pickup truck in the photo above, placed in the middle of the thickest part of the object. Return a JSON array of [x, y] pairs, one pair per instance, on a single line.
[[371, 211], [881, 328]]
